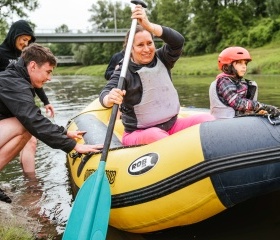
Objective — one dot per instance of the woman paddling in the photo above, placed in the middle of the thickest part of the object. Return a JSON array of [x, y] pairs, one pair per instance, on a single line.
[[149, 100]]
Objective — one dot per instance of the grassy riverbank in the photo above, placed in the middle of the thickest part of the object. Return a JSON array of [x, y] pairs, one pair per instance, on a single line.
[[266, 60]]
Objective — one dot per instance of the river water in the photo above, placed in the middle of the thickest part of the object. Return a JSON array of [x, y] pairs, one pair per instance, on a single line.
[[47, 196]]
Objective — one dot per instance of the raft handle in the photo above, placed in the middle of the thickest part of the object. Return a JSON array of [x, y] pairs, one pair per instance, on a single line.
[[273, 122]]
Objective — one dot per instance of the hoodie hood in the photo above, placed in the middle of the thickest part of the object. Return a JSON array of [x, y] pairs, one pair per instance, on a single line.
[[18, 28]]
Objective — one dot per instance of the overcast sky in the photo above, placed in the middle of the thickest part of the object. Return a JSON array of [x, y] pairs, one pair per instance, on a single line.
[[53, 13]]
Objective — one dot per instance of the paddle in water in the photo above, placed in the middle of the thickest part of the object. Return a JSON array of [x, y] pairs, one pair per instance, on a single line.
[[90, 213]]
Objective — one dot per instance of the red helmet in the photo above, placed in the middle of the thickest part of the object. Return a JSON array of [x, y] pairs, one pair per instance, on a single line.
[[231, 54]]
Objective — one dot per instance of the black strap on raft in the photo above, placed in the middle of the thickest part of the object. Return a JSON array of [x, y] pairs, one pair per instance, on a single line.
[[86, 157]]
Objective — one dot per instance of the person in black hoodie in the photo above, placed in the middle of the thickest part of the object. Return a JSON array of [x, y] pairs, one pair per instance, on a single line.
[[114, 64], [19, 36], [21, 118]]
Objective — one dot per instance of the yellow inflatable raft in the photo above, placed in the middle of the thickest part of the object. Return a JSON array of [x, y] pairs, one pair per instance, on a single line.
[[184, 178]]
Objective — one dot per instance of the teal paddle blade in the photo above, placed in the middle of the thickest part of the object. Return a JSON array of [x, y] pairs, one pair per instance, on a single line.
[[90, 213]]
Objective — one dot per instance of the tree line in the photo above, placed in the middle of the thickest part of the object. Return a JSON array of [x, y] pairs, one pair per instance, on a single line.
[[208, 26]]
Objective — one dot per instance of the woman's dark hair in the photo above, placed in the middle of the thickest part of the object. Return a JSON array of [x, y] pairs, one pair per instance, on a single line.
[[229, 69]]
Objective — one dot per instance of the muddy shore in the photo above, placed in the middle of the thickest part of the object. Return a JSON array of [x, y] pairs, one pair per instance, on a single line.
[[14, 215]]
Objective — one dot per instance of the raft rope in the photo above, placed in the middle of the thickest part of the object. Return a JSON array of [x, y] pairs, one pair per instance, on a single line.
[[81, 113], [272, 120], [193, 174]]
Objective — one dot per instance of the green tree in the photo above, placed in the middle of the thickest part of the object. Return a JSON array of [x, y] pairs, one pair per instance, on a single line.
[[273, 8], [219, 23], [152, 10], [105, 14], [10, 8], [174, 14], [203, 35], [208, 26], [18, 7], [260, 7], [263, 32], [62, 49], [91, 53]]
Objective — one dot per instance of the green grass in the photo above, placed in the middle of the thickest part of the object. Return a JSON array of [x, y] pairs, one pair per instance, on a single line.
[[266, 60], [13, 229], [96, 70]]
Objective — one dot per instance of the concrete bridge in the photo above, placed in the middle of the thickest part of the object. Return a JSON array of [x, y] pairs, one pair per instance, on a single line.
[[66, 60], [97, 36], [79, 37]]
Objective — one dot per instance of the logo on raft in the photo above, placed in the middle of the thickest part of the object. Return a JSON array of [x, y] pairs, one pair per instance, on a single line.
[[111, 175], [143, 164]]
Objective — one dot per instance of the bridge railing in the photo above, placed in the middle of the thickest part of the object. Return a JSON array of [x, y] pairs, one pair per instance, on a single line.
[[53, 31], [93, 36], [65, 59]]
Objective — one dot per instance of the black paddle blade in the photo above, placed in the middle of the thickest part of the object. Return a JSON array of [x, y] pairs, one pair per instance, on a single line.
[[139, 2]]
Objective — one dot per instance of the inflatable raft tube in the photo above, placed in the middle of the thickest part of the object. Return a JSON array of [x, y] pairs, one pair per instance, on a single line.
[[184, 178]]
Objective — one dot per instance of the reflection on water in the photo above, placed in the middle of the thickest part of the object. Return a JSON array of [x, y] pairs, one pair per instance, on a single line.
[[48, 197]]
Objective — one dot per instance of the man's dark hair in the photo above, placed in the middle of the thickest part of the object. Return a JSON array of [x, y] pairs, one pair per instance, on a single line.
[[39, 54]]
